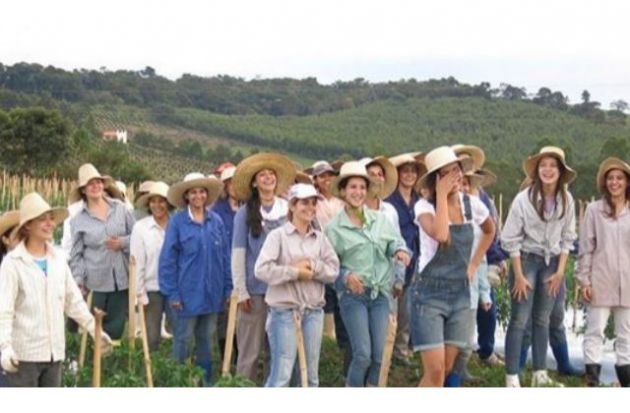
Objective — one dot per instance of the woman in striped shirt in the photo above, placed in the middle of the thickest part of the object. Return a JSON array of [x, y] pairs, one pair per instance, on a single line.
[[99, 257]]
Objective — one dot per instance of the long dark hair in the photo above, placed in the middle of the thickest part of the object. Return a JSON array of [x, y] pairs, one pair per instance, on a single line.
[[535, 191], [254, 217], [612, 211]]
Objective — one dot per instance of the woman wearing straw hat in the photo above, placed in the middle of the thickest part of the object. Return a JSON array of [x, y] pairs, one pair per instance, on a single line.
[[194, 272], [257, 182], [8, 221], [557, 331], [496, 257], [440, 293], [226, 208], [295, 262], [366, 243], [538, 234], [76, 204], [409, 167], [99, 257], [36, 291], [385, 177], [604, 270], [480, 297], [147, 238]]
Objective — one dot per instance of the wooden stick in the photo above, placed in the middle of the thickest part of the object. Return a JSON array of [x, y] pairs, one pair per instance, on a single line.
[[229, 335], [131, 326], [98, 330], [84, 335], [297, 318], [388, 349], [145, 346]]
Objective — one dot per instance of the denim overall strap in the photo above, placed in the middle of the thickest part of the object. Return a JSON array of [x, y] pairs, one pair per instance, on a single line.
[[451, 261]]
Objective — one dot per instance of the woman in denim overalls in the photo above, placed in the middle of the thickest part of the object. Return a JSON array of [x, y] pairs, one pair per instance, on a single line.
[[440, 293]]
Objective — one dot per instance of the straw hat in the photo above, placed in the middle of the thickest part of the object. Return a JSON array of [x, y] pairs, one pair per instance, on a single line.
[[33, 206], [386, 188], [489, 177], [474, 152], [410, 157], [157, 189], [228, 173], [530, 164], [348, 170], [481, 178], [9, 220], [88, 172], [247, 169], [303, 178], [175, 194], [439, 158], [608, 165]]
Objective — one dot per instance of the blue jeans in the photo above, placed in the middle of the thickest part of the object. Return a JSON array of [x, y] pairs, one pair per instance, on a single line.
[[557, 332], [366, 321], [281, 331], [486, 327], [537, 306], [201, 328]]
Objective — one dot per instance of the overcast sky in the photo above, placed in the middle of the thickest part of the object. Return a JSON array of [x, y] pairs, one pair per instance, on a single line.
[[562, 44]]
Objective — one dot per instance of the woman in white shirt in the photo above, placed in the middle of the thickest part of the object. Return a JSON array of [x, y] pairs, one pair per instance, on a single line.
[[440, 292], [147, 238], [36, 291]]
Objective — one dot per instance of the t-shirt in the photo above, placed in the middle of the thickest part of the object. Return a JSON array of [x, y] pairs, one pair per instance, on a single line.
[[42, 264], [429, 246]]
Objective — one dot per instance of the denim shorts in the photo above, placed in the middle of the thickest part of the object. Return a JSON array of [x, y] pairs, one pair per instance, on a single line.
[[439, 313]]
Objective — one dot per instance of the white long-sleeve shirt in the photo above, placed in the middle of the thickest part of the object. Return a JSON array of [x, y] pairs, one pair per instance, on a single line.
[[147, 238], [33, 304]]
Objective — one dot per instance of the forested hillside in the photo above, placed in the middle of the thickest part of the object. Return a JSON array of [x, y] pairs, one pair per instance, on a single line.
[[196, 122]]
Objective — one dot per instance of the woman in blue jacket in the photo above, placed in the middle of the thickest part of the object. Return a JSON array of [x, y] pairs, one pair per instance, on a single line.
[[194, 269]]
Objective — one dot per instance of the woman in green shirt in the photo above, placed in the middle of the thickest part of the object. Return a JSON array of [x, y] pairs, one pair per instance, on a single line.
[[366, 243]]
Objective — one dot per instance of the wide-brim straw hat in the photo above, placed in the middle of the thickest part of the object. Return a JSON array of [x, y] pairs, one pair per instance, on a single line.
[[416, 158], [144, 187], [386, 188], [441, 157], [475, 152], [489, 177], [530, 164], [88, 172], [608, 165], [157, 189], [175, 194], [9, 220], [247, 169], [348, 170], [33, 206], [228, 173]]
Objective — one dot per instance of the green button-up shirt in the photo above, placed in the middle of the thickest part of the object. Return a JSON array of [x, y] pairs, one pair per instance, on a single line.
[[366, 251]]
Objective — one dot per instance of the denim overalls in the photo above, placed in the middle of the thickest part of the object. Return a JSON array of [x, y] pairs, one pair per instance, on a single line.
[[440, 294]]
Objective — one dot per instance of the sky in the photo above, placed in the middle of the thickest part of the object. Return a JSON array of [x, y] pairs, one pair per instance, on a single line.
[[564, 45]]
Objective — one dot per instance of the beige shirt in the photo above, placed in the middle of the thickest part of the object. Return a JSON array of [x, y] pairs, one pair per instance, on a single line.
[[604, 259], [327, 209], [33, 304], [284, 246]]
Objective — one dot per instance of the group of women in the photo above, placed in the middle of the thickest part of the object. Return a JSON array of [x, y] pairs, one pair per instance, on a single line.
[[412, 238]]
